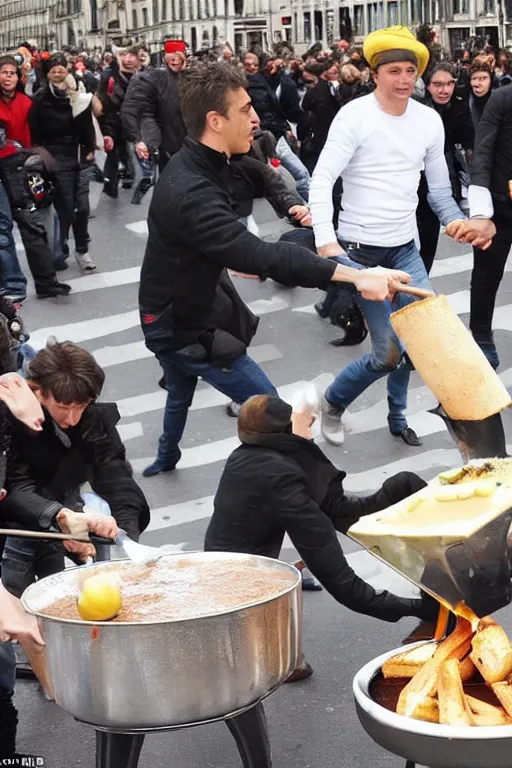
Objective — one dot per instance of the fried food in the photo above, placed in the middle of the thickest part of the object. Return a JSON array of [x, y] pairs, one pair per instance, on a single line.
[[424, 682], [408, 663], [492, 653], [487, 714], [503, 692], [453, 707], [467, 669]]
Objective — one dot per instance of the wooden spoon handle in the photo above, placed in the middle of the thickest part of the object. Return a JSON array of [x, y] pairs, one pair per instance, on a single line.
[[420, 293]]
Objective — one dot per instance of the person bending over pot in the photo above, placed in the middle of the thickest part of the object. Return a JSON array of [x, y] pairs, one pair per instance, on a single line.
[[278, 481]]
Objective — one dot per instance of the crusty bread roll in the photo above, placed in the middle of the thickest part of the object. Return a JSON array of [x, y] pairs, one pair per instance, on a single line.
[[449, 360]]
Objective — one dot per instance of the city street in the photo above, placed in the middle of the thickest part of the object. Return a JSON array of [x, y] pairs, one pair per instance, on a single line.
[[313, 724]]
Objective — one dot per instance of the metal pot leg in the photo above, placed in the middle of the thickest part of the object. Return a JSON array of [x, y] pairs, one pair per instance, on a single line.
[[251, 735], [118, 750]]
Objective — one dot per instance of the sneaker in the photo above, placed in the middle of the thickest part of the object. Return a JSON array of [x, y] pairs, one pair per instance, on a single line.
[[53, 290], [233, 409], [85, 262], [16, 298], [331, 424]]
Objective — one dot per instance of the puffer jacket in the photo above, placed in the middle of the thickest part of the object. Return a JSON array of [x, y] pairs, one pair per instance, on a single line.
[[267, 106]]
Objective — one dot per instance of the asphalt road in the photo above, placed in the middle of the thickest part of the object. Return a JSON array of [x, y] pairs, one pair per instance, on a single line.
[[313, 724]]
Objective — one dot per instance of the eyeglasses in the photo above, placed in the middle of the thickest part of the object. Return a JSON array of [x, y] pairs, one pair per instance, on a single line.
[[451, 84]]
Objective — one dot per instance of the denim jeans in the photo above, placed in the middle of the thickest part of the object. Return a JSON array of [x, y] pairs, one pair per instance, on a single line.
[[386, 357], [8, 712], [295, 166], [12, 279], [25, 560], [243, 379]]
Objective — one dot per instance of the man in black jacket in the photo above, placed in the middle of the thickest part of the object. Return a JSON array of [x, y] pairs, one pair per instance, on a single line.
[[151, 111], [78, 443], [490, 198], [112, 89], [266, 104], [192, 317]]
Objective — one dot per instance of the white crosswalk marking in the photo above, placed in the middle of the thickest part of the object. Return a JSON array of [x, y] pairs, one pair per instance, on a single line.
[[130, 431], [86, 329], [105, 280]]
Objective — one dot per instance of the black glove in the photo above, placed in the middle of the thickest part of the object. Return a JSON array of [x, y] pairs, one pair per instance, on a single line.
[[425, 608]]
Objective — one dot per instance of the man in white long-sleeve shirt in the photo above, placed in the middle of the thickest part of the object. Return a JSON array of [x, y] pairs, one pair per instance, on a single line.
[[379, 144]]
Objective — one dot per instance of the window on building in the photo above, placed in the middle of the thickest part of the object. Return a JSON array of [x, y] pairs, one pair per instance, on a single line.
[[135, 21], [145, 18], [416, 11], [155, 12], [359, 20], [307, 26], [239, 7], [182, 10], [164, 10], [191, 12], [373, 19], [392, 14], [490, 6], [460, 6], [207, 8]]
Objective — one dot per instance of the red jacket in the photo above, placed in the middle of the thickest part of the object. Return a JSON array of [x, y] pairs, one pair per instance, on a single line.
[[14, 115]]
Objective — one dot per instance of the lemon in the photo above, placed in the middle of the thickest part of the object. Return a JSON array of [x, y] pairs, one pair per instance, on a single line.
[[100, 599], [455, 492]]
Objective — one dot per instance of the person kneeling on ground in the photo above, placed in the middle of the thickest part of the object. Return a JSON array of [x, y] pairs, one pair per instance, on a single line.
[[78, 443], [278, 481]]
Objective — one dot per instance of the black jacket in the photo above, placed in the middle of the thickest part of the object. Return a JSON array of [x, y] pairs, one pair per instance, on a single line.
[[324, 106], [281, 483], [254, 178], [458, 129], [53, 127], [492, 154], [111, 92], [151, 111], [194, 234], [287, 94], [267, 106], [45, 470]]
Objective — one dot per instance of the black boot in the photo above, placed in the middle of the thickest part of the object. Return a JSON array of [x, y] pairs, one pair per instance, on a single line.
[[111, 189], [142, 187]]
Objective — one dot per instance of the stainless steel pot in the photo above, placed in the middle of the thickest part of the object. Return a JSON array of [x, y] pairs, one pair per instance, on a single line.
[[135, 676], [430, 744]]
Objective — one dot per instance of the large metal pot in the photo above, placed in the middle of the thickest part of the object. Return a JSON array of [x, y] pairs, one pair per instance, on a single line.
[[430, 744], [131, 676]]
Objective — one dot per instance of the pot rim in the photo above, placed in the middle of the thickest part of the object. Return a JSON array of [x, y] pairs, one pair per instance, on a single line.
[[361, 686], [108, 623]]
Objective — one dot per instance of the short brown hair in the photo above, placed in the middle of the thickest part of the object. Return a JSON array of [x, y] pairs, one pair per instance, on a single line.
[[203, 89], [67, 372]]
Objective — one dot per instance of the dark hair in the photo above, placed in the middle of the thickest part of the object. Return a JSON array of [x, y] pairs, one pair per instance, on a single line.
[[204, 89], [264, 414], [8, 59], [67, 372], [442, 66], [57, 60], [480, 66]]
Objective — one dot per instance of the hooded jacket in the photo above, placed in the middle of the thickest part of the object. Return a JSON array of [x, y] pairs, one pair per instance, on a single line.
[[281, 483]]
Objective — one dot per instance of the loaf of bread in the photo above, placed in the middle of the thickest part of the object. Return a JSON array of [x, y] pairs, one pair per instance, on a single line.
[[449, 360]]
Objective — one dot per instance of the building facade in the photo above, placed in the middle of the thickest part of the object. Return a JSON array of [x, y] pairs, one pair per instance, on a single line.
[[93, 24]]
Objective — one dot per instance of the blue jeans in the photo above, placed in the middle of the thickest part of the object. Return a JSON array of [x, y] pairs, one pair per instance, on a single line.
[[387, 353], [12, 279], [295, 166], [243, 379]]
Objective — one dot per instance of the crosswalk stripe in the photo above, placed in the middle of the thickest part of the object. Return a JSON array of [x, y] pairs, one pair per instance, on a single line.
[[100, 280], [85, 330], [121, 353], [198, 456], [130, 431]]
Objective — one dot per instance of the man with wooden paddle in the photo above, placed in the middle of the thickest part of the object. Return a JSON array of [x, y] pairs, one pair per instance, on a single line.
[[379, 144]]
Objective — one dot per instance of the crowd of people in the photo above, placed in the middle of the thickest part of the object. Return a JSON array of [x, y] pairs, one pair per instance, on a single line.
[[384, 144]]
